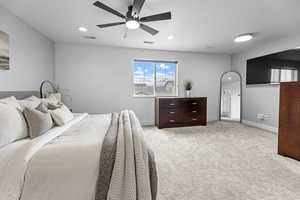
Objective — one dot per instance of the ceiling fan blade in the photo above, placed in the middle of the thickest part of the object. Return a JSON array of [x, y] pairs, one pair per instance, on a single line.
[[108, 9], [110, 24], [148, 29], [137, 7], [157, 17]]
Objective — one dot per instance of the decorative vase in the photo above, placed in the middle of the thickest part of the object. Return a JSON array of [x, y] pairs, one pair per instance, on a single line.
[[188, 93]]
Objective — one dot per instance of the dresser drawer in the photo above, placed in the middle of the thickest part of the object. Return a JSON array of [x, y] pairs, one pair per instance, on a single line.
[[192, 110], [192, 102], [169, 103], [169, 119], [169, 112], [194, 118]]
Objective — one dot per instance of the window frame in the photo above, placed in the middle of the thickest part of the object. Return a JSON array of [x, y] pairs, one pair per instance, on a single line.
[[154, 91]]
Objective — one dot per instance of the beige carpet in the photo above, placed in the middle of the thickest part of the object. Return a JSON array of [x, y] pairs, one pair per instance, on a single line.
[[223, 161]]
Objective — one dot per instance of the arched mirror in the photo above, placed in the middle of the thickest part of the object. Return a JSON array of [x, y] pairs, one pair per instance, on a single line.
[[230, 104]]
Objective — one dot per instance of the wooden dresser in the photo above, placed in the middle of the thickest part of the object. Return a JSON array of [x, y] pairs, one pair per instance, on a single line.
[[289, 120], [177, 112]]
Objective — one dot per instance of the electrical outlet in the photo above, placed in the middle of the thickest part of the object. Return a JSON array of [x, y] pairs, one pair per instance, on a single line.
[[266, 116], [260, 116]]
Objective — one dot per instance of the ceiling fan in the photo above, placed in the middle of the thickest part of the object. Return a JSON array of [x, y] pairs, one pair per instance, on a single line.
[[132, 19]]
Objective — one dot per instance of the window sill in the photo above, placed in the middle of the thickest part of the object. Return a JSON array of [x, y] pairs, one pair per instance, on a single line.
[[137, 96]]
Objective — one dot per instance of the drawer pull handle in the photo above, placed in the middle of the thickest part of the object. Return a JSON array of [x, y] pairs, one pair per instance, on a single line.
[[172, 112], [194, 119], [172, 104], [195, 103], [194, 111], [171, 120]]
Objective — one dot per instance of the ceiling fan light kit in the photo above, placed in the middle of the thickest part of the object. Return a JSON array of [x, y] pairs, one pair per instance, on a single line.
[[82, 29], [132, 24], [132, 19]]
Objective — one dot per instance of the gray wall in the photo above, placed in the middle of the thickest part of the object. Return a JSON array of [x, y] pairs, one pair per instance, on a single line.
[[99, 78], [261, 99], [31, 55]]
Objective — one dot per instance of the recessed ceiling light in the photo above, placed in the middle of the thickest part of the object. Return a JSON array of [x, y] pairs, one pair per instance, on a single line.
[[82, 29], [243, 38], [170, 37], [149, 42], [132, 24], [298, 47], [229, 78]]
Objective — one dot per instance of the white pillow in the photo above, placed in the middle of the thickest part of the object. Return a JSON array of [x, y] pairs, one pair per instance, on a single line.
[[11, 101], [30, 102], [33, 101], [62, 115], [38, 121], [12, 125]]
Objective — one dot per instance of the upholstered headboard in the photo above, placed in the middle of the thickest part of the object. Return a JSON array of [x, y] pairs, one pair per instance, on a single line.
[[19, 94]]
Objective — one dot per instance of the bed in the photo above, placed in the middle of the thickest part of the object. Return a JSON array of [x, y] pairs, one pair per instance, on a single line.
[[91, 157]]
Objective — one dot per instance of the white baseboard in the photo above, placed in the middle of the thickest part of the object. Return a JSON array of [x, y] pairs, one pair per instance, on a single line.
[[261, 126], [152, 123], [246, 122], [147, 123]]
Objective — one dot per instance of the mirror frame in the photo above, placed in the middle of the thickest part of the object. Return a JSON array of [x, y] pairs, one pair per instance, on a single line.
[[241, 90]]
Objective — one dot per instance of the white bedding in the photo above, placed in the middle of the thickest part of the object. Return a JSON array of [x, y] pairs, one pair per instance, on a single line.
[[61, 164]]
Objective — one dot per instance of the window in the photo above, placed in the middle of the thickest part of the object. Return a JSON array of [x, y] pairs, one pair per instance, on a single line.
[[283, 75], [287, 75], [275, 75], [155, 78]]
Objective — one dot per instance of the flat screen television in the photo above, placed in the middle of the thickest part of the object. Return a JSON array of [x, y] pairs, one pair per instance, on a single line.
[[274, 68]]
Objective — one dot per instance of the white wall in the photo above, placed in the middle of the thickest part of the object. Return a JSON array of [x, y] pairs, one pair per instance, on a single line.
[[99, 78], [31, 55], [261, 99]]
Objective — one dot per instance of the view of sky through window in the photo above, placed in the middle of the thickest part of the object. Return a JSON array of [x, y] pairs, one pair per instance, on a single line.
[[154, 78]]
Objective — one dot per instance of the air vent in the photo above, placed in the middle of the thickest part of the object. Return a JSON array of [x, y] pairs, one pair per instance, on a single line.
[[209, 47], [149, 42], [89, 37]]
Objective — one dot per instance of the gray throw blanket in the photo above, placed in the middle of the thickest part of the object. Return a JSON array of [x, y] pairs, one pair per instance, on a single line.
[[127, 166]]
